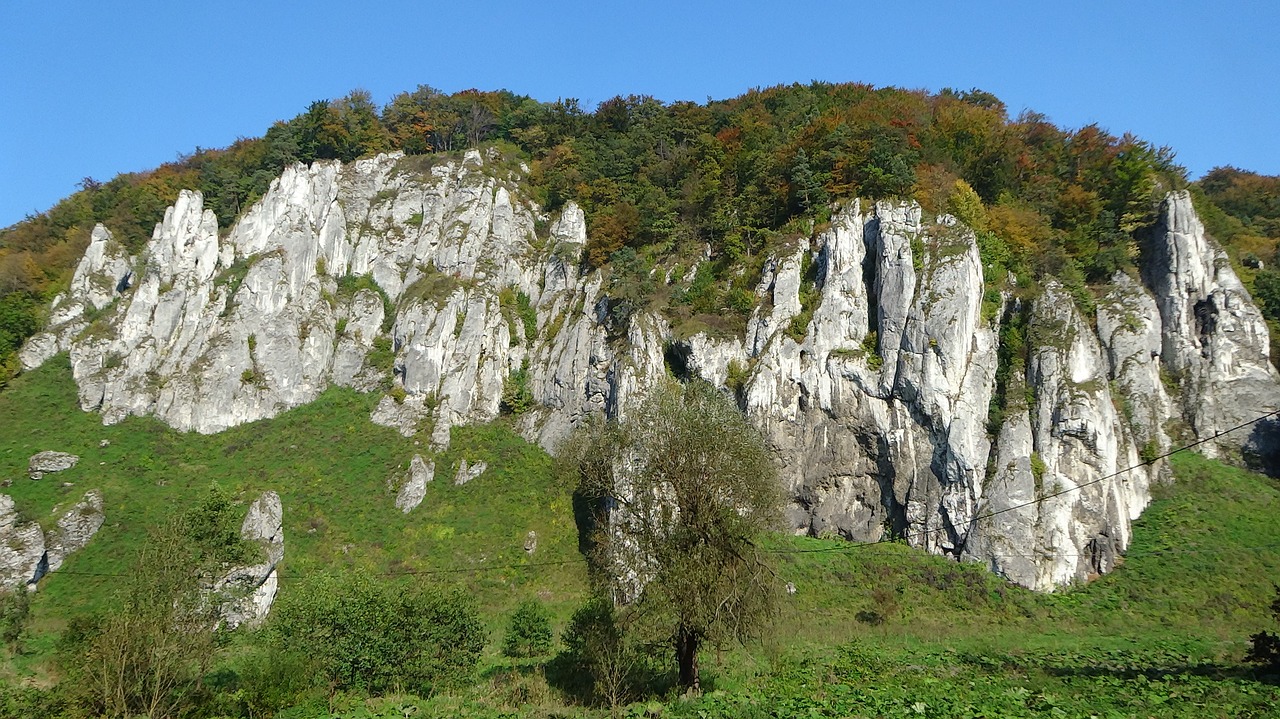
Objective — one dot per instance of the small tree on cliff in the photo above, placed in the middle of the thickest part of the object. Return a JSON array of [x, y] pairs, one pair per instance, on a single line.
[[685, 488]]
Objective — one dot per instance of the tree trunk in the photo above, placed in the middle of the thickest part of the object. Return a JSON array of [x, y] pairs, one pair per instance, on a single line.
[[687, 643]]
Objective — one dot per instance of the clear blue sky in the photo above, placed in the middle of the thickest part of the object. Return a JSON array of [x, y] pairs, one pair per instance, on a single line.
[[96, 88]]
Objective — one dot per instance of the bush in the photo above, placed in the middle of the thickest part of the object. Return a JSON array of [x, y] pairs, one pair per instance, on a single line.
[[602, 661], [15, 606], [529, 634], [372, 636]]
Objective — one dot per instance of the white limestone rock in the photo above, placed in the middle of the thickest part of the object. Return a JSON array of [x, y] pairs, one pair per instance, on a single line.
[[1214, 340], [1129, 328], [467, 472], [22, 547], [27, 554], [414, 487], [74, 529], [877, 408], [48, 462], [103, 275], [244, 594], [1086, 480]]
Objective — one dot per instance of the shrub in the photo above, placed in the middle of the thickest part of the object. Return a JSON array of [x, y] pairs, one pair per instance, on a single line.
[[372, 636], [529, 633], [599, 662], [15, 606], [517, 397]]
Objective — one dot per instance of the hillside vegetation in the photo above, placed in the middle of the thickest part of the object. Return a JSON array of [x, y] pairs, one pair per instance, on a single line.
[[871, 630], [738, 175]]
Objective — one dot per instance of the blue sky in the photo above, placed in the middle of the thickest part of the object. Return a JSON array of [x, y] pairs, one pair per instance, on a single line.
[[98, 88]]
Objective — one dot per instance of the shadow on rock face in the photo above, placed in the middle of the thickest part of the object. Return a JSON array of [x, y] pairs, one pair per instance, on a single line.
[[1262, 450]]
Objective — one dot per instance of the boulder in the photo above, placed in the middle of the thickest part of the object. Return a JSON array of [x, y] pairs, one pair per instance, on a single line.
[[47, 462]]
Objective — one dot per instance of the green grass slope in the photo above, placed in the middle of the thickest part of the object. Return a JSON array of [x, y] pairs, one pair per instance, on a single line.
[[331, 467]]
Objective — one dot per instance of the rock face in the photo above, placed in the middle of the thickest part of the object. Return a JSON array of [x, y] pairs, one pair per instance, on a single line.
[[43, 463], [872, 362], [104, 273], [245, 593], [27, 553], [1214, 340]]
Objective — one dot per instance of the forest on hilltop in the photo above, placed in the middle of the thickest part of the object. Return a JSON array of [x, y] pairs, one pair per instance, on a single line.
[[738, 176]]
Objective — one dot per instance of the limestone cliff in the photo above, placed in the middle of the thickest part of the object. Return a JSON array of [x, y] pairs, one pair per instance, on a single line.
[[871, 362]]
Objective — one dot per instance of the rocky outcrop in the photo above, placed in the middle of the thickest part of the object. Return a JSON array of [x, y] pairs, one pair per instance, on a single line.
[[1068, 480], [1214, 342], [21, 547], [102, 276], [872, 362], [244, 594], [414, 486], [27, 553], [47, 462], [74, 529], [467, 472]]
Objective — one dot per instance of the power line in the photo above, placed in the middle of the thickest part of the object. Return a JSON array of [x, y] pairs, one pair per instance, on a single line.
[[387, 573]]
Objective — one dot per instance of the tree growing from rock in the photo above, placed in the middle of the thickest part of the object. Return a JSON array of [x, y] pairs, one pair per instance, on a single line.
[[685, 489]]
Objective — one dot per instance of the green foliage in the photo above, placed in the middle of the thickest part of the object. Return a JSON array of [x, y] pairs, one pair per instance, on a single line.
[[602, 662], [212, 526], [363, 634], [810, 297], [1038, 467], [382, 356], [698, 492], [871, 350], [518, 311], [148, 655], [529, 632], [1266, 291], [737, 374], [528, 316], [965, 205], [15, 608], [517, 397], [732, 174], [1163, 635], [349, 285]]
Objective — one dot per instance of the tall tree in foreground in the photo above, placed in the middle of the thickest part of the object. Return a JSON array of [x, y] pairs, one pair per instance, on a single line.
[[685, 488]]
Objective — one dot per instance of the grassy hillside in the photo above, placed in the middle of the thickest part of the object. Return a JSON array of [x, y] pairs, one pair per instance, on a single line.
[[872, 630], [331, 467]]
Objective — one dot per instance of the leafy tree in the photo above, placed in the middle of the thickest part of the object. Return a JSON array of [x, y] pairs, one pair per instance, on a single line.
[[1266, 290], [686, 487], [146, 657], [529, 633]]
